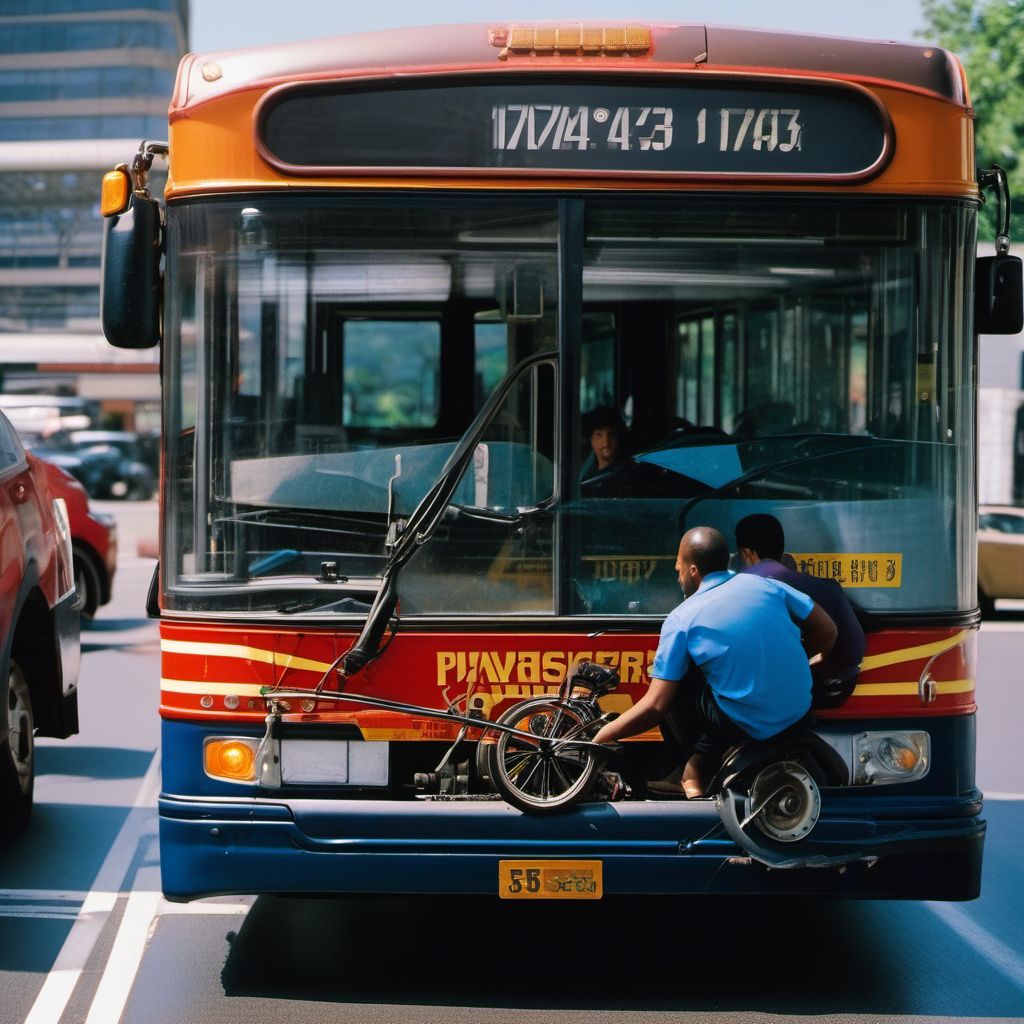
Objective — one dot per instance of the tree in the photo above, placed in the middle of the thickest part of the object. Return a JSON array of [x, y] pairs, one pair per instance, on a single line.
[[988, 36]]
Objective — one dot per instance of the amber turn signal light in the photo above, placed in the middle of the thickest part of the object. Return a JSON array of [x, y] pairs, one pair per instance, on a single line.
[[117, 188], [578, 38], [231, 759]]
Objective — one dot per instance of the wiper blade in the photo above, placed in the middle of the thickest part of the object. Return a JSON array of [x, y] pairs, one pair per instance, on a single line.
[[425, 517], [347, 605]]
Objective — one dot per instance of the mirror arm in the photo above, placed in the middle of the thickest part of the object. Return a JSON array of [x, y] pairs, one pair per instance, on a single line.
[[995, 178], [142, 163]]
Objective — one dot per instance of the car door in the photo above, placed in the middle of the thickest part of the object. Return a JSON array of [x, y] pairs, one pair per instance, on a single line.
[[15, 489], [1001, 553]]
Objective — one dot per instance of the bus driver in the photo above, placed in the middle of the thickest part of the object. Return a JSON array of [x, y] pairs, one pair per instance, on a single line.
[[744, 633]]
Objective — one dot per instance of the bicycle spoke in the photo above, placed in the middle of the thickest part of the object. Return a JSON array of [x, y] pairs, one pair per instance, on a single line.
[[580, 766], [546, 780], [525, 782], [558, 771], [513, 767], [556, 721]]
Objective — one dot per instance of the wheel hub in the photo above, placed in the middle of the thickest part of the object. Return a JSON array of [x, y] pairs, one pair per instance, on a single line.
[[784, 802]]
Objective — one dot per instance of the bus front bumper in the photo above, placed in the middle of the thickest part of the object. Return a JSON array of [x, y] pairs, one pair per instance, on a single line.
[[899, 847]]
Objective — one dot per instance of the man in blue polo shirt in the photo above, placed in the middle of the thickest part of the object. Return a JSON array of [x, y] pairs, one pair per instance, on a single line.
[[750, 637]]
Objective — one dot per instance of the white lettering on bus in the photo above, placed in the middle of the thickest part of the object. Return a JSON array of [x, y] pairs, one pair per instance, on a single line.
[[557, 127], [753, 128]]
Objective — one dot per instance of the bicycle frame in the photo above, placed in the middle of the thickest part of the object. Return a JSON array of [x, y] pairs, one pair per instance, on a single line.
[[485, 725]]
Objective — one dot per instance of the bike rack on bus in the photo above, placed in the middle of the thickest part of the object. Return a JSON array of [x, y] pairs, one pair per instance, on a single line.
[[269, 765]]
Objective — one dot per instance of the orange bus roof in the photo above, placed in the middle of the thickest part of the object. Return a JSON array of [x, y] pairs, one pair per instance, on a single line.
[[917, 67], [217, 99]]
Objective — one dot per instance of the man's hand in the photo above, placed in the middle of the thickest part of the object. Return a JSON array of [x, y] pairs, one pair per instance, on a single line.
[[646, 713], [818, 632]]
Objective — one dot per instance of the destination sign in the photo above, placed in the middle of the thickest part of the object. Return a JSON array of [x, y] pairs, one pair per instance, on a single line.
[[544, 125]]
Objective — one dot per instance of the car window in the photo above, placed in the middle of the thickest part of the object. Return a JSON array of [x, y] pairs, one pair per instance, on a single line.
[[1004, 522], [11, 451]]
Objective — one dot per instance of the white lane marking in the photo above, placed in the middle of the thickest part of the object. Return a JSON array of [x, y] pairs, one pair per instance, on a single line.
[[92, 916], [145, 905], [39, 913], [129, 946], [61, 896], [1001, 956], [1003, 796]]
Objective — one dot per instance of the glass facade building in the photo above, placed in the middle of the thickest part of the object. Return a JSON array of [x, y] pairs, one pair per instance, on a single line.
[[81, 83]]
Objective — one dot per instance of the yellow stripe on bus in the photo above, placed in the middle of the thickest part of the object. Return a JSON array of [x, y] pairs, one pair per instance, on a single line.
[[911, 689], [239, 651], [913, 653]]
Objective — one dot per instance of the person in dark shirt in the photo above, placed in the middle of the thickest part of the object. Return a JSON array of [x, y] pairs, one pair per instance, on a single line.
[[761, 542], [605, 434]]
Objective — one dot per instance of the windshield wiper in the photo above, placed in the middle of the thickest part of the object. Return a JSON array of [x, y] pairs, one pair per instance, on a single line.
[[423, 521], [347, 605]]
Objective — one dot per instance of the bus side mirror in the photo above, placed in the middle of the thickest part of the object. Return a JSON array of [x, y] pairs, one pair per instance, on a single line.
[[998, 295], [130, 276], [998, 280]]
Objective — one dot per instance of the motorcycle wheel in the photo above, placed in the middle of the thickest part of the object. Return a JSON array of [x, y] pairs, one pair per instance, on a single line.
[[534, 780]]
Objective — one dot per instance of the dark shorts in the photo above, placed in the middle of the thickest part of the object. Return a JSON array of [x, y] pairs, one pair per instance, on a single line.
[[696, 724]]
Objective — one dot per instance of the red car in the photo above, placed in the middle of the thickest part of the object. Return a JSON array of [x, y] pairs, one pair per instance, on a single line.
[[93, 541], [39, 622]]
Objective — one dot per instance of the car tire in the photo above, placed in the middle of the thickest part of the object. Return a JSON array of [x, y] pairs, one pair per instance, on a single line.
[[17, 756], [987, 604], [88, 585]]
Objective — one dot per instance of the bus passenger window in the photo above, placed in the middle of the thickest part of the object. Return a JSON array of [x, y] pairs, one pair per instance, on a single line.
[[490, 355], [391, 373]]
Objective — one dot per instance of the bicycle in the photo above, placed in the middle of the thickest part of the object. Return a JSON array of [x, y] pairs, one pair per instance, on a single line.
[[543, 760], [538, 763]]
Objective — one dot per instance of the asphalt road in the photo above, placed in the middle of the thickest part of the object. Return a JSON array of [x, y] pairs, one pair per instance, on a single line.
[[85, 936]]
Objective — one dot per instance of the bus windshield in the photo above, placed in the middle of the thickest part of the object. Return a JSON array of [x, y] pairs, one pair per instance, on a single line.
[[803, 357]]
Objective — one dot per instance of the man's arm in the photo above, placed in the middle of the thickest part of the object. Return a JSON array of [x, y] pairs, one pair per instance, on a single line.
[[818, 632], [646, 713]]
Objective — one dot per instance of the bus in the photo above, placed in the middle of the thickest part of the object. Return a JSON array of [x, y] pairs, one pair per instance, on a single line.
[[394, 277]]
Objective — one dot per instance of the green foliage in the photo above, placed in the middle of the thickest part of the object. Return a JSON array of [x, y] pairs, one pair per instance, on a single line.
[[988, 35]]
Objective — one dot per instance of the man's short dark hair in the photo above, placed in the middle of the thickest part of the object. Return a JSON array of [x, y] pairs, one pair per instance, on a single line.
[[602, 417], [763, 534], [707, 549]]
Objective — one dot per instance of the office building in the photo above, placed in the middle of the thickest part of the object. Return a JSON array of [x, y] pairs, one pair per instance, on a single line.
[[81, 83]]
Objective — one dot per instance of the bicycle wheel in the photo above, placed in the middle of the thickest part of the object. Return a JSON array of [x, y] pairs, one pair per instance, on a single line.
[[542, 779]]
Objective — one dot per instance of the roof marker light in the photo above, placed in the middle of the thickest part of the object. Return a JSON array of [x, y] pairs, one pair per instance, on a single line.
[[589, 40]]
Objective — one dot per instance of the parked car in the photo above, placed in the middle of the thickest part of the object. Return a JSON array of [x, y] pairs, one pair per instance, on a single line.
[[42, 415], [103, 462], [1000, 555], [39, 624], [93, 542], [139, 457]]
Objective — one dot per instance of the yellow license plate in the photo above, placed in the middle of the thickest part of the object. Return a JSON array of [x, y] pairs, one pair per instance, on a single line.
[[550, 880]]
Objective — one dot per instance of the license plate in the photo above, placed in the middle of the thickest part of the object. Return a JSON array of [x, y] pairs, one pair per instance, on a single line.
[[550, 879]]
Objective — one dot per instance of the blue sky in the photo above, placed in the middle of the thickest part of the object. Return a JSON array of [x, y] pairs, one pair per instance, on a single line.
[[227, 24]]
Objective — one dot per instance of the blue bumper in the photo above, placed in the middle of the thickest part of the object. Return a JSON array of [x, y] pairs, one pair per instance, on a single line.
[[906, 847]]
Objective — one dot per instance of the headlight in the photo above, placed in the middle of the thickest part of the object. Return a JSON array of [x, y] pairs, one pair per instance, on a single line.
[[231, 758], [881, 757]]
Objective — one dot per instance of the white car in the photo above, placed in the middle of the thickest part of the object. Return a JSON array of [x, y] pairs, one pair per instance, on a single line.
[[1000, 554]]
